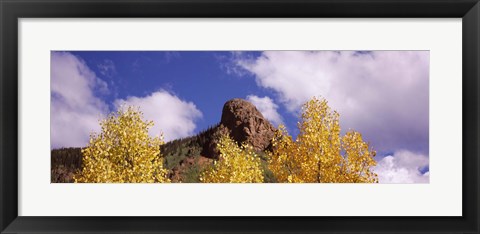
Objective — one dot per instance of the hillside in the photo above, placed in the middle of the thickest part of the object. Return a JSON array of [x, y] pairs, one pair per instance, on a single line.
[[185, 158]]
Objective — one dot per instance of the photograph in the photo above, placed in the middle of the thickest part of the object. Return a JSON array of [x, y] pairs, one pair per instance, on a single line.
[[275, 116], [278, 116]]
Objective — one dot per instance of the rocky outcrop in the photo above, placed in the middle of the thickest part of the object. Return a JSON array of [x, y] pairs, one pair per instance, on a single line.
[[247, 124], [244, 123]]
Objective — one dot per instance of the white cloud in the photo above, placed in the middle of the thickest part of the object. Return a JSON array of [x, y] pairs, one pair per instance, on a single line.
[[382, 94], [267, 107], [75, 111], [228, 63], [172, 116], [403, 167]]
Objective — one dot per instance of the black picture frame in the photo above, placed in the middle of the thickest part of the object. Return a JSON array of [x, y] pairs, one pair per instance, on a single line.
[[12, 10]]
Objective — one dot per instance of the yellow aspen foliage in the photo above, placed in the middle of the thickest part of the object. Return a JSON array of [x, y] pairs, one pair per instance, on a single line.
[[320, 154], [237, 164], [123, 152], [359, 160]]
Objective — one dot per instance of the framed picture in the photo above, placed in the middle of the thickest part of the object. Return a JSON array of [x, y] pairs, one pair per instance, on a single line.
[[253, 116]]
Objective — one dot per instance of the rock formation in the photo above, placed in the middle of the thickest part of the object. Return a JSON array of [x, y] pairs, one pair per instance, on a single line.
[[247, 124], [244, 123]]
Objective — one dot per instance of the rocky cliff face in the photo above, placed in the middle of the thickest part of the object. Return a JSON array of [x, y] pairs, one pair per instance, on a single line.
[[247, 124], [244, 123]]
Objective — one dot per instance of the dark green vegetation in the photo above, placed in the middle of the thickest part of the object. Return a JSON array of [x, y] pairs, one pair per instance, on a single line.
[[177, 150], [64, 164]]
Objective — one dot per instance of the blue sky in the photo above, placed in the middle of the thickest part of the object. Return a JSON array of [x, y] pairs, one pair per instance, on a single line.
[[191, 76], [382, 94]]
